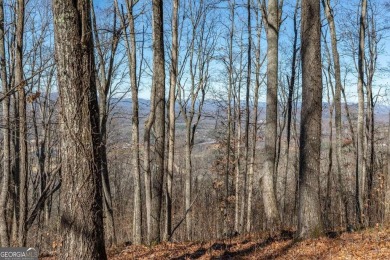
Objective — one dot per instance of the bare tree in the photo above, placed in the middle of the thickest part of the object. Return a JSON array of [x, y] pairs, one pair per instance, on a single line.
[[131, 51], [4, 235], [291, 89], [337, 104], [309, 216], [172, 120], [105, 75], [258, 81], [159, 125], [360, 159], [329, 175], [373, 39], [202, 43], [247, 118], [19, 79], [132, 57], [272, 24], [81, 220]]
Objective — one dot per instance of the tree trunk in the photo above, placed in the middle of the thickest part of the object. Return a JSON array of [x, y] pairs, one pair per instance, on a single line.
[[137, 217], [360, 159], [172, 120], [22, 232], [81, 205], [188, 182], [387, 190], [104, 87], [291, 84], [4, 235], [268, 185], [159, 126], [337, 105], [309, 216], [237, 115], [329, 175], [15, 149], [253, 145]]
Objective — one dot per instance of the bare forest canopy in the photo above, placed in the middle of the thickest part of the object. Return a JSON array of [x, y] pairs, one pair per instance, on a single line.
[[138, 122]]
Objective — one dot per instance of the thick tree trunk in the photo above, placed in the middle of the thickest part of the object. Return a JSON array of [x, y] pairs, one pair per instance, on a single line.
[[81, 205], [268, 185], [309, 216], [159, 126]]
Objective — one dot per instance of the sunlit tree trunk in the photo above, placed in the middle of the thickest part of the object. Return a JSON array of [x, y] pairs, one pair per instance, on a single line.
[[172, 120], [132, 47], [159, 125], [371, 63], [81, 213], [268, 185], [360, 159], [309, 215]]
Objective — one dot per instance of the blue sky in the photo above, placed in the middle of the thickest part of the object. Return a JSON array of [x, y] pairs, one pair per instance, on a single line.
[[340, 8]]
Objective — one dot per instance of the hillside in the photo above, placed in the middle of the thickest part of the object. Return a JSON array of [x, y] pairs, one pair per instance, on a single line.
[[368, 244]]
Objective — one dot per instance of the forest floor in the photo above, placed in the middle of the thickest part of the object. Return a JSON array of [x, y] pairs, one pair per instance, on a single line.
[[366, 244]]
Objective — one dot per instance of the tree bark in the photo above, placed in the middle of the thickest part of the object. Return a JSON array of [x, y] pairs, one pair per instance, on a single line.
[[268, 185], [371, 63], [329, 175], [137, 216], [4, 235], [248, 168], [172, 119], [81, 205], [22, 232], [159, 126], [360, 159], [309, 216]]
